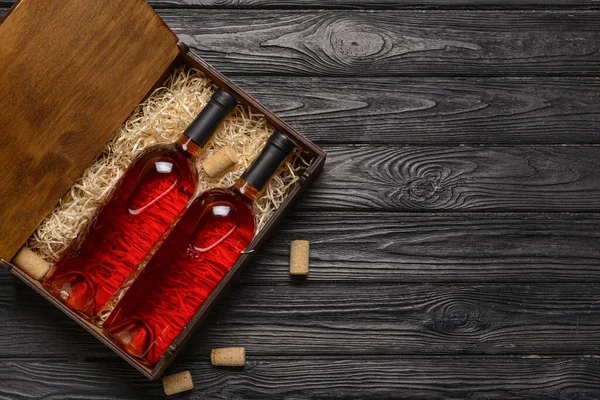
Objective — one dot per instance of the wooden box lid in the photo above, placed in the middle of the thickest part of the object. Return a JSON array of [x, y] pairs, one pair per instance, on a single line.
[[71, 71]]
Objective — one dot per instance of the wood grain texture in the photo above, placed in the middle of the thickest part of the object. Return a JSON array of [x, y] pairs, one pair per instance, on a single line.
[[498, 178], [407, 319], [401, 302], [376, 247], [389, 43], [435, 110], [56, 118], [319, 377], [375, 255], [72, 379], [370, 4], [358, 4], [346, 319]]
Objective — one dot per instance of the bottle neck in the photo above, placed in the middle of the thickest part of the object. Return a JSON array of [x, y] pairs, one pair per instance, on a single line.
[[246, 190], [210, 118], [189, 146], [258, 174]]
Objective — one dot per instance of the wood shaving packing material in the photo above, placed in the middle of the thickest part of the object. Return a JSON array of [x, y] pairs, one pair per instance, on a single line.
[[162, 118]]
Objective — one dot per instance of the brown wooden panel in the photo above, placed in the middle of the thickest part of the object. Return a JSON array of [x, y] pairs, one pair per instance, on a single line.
[[70, 73]]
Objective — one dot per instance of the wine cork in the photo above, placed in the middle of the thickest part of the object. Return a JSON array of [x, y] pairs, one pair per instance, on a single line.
[[220, 162], [299, 257], [228, 357], [32, 264], [177, 383]]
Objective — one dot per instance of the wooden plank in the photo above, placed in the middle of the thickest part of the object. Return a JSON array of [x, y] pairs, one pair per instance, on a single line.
[[435, 110], [357, 4], [369, 4], [485, 178], [318, 378], [393, 43], [401, 319], [55, 117], [73, 379], [396, 248], [297, 318]]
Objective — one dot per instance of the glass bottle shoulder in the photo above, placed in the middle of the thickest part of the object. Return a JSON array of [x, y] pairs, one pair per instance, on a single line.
[[223, 203], [167, 154], [223, 194]]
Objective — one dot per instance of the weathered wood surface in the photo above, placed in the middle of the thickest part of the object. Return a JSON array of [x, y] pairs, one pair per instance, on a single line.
[[435, 110], [384, 43], [454, 232], [378, 247], [348, 319], [321, 377], [398, 248], [370, 4], [399, 178], [487, 316], [360, 4]]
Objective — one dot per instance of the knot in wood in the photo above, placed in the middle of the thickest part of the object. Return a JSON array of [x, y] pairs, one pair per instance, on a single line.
[[356, 42], [424, 188], [456, 317]]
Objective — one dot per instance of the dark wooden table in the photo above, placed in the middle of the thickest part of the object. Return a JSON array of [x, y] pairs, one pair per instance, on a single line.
[[455, 231]]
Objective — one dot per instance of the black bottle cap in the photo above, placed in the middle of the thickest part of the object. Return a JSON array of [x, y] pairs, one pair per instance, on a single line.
[[206, 123], [277, 148], [224, 99]]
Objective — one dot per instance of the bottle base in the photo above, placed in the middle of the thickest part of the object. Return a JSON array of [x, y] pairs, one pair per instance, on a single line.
[[75, 291], [134, 337]]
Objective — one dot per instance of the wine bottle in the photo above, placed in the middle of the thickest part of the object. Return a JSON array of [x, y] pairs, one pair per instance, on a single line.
[[191, 262], [149, 197]]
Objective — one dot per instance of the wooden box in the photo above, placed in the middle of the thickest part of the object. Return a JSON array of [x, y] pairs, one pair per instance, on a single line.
[[71, 72]]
